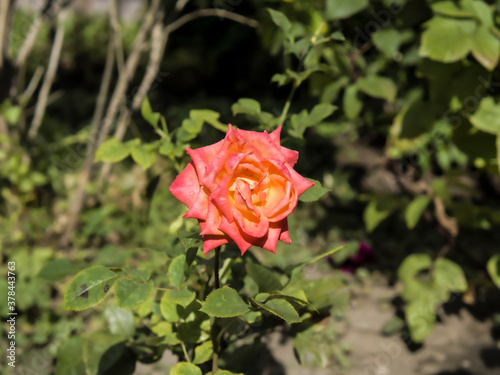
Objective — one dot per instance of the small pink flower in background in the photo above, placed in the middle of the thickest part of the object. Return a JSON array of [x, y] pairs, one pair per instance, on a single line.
[[241, 189], [364, 256]]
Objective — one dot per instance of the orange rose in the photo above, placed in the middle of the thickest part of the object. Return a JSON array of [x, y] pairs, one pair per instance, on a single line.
[[241, 189]]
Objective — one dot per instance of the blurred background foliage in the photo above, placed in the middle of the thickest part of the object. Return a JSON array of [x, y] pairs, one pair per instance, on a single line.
[[392, 105]]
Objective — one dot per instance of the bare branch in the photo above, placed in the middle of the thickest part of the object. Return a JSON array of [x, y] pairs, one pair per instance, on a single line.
[[55, 54], [98, 137], [29, 42], [30, 90], [210, 13], [117, 34], [158, 44], [4, 11]]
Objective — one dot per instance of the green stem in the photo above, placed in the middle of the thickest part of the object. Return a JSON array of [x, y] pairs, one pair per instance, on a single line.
[[185, 352], [286, 108], [296, 85], [215, 327], [216, 268]]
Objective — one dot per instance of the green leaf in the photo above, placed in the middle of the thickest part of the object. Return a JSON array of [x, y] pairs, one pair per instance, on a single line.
[[486, 48], [112, 151], [412, 265], [148, 114], [164, 330], [280, 79], [189, 240], [392, 326], [377, 211], [224, 303], [252, 317], [449, 275], [144, 156], [301, 121], [282, 309], [317, 346], [331, 91], [168, 309], [246, 106], [176, 270], [225, 372], [497, 144], [487, 116], [415, 210], [108, 354], [203, 352], [299, 301], [12, 113], [421, 318], [182, 297], [266, 280], [451, 9], [339, 9], [121, 321], [352, 104], [493, 268], [320, 112], [167, 148], [139, 276], [70, 357], [130, 294], [210, 117], [447, 40], [184, 368], [88, 288], [314, 192], [387, 41], [378, 87], [58, 269], [281, 21]]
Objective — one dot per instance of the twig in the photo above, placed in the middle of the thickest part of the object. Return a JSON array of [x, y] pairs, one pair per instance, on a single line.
[[55, 96], [447, 223], [30, 90], [210, 13], [29, 42], [104, 88], [4, 11], [158, 44], [98, 137], [55, 54], [117, 35]]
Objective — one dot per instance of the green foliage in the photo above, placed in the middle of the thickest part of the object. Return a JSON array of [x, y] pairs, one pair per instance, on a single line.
[[224, 303], [176, 270], [313, 193], [300, 122], [415, 210], [386, 122], [494, 269], [427, 284], [88, 288], [280, 308], [185, 368], [130, 294], [58, 269], [344, 8]]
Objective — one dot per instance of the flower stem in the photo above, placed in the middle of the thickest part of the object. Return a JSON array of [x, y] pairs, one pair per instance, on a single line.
[[185, 352], [216, 268], [215, 326]]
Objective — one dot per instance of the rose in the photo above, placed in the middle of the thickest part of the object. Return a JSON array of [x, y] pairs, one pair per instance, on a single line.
[[241, 189]]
